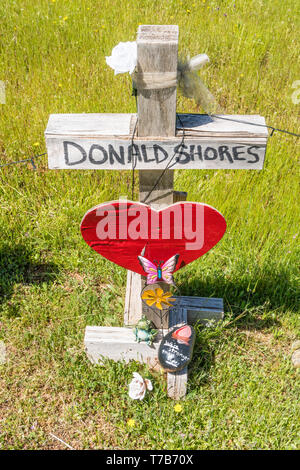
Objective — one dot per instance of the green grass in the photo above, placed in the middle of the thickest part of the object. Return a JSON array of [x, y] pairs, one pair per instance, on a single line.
[[243, 391]]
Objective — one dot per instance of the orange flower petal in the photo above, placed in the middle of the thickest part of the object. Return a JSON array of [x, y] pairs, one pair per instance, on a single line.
[[148, 294], [159, 292]]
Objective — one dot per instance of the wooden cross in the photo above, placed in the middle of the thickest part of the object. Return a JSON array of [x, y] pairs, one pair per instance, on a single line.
[[104, 141]]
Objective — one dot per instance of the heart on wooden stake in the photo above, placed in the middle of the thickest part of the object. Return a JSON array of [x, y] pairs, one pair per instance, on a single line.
[[123, 230]]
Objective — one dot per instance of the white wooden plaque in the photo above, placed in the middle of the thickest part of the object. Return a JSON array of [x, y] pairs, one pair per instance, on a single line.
[[104, 141]]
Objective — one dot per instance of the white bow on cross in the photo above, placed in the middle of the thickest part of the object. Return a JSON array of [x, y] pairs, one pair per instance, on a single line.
[[124, 59]]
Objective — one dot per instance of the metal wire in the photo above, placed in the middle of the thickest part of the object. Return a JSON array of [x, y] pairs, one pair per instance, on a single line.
[[274, 129], [169, 164], [31, 160]]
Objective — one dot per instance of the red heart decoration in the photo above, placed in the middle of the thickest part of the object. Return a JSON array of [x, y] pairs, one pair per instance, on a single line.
[[121, 230], [183, 334]]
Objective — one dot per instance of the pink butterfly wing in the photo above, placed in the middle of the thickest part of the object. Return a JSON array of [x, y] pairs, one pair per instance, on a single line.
[[151, 279], [149, 268], [168, 268], [168, 278]]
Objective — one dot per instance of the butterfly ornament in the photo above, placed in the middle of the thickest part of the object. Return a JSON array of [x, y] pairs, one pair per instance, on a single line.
[[158, 271]]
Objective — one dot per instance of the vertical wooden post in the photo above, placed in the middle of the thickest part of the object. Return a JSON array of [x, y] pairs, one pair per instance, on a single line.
[[177, 381], [157, 52]]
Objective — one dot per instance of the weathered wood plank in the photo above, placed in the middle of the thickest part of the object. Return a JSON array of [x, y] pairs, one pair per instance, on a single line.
[[239, 125], [157, 49], [90, 125], [77, 153], [179, 196], [133, 302], [118, 344], [202, 309], [200, 302], [120, 124], [95, 142], [163, 194], [177, 382]]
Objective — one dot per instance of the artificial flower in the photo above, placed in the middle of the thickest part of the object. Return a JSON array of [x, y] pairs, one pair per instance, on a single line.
[[138, 387], [123, 57], [157, 297]]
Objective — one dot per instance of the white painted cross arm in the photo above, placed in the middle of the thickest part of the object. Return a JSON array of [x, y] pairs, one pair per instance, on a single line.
[[104, 141]]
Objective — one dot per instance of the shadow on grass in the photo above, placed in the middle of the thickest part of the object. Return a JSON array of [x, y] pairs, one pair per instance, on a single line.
[[269, 290], [246, 309], [203, 360], [17, 266]]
